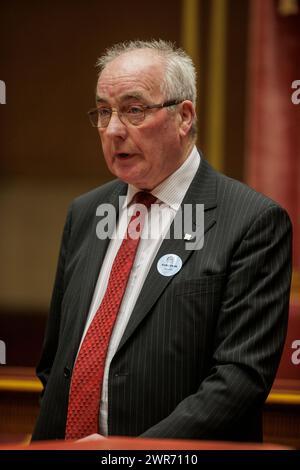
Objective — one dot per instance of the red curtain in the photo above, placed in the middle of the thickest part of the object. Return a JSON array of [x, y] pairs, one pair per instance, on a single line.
[[273, 145]]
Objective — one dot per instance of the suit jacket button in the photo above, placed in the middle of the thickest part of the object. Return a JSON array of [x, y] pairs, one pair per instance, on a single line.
[[67, 372]]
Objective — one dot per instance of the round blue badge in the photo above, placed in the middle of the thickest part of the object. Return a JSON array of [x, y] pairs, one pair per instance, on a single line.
[[168, 265]]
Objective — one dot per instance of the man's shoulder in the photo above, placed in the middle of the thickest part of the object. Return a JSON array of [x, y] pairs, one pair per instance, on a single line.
[[238, 202], [98, 195], [237, 193]]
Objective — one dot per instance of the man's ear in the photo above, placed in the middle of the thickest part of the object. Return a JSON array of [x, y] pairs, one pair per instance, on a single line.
[[187, 114]]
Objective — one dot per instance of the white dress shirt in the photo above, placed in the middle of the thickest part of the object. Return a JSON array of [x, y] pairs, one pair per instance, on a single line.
[[170, 194]]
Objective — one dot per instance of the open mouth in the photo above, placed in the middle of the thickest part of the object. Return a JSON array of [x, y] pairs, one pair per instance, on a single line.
[[124, 155]]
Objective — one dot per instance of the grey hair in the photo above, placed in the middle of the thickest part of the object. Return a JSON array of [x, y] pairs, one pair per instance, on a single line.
[[180, 75]]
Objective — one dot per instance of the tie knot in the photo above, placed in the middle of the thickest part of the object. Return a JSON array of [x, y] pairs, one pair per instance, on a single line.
[[145, 198]]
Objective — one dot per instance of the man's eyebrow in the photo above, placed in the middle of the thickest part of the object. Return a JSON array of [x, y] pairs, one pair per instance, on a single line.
[[100, 100], [127, 96]]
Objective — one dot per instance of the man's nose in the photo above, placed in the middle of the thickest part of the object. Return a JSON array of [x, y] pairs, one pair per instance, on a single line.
[[116, 126]]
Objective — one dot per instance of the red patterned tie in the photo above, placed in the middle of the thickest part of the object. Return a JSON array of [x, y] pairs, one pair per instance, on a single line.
[[86, 384]]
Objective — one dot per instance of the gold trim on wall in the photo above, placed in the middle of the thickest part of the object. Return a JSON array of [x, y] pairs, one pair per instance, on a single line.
[[190, 30], [295, 290], [288, 7], [216, 84]]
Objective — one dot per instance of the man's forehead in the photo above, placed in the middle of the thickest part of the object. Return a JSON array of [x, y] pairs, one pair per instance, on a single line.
[[122, 97], [132, 64], [131, 76]]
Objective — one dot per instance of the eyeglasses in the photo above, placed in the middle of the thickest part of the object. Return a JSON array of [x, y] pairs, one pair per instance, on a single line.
[[132, 114]]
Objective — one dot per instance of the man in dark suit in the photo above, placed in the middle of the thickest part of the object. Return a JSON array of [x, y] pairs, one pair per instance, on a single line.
[[196, 340]]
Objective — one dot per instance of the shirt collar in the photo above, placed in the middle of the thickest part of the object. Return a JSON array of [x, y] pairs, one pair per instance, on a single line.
[[173, 189]]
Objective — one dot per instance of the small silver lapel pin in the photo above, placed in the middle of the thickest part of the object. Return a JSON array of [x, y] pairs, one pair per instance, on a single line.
[[187, 236]]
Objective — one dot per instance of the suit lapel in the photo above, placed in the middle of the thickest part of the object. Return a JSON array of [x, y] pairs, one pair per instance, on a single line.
[[201, 191]]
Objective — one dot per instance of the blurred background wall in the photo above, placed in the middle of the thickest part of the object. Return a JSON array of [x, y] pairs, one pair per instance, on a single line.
[[49, 153]]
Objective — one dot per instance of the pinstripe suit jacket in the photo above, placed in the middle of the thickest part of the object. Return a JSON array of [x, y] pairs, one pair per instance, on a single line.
[[202, 347]]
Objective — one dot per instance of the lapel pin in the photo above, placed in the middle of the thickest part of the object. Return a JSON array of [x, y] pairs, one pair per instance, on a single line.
[[187, 236]]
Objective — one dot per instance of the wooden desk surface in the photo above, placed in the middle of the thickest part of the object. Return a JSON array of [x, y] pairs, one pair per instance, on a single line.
[[121, 443]]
